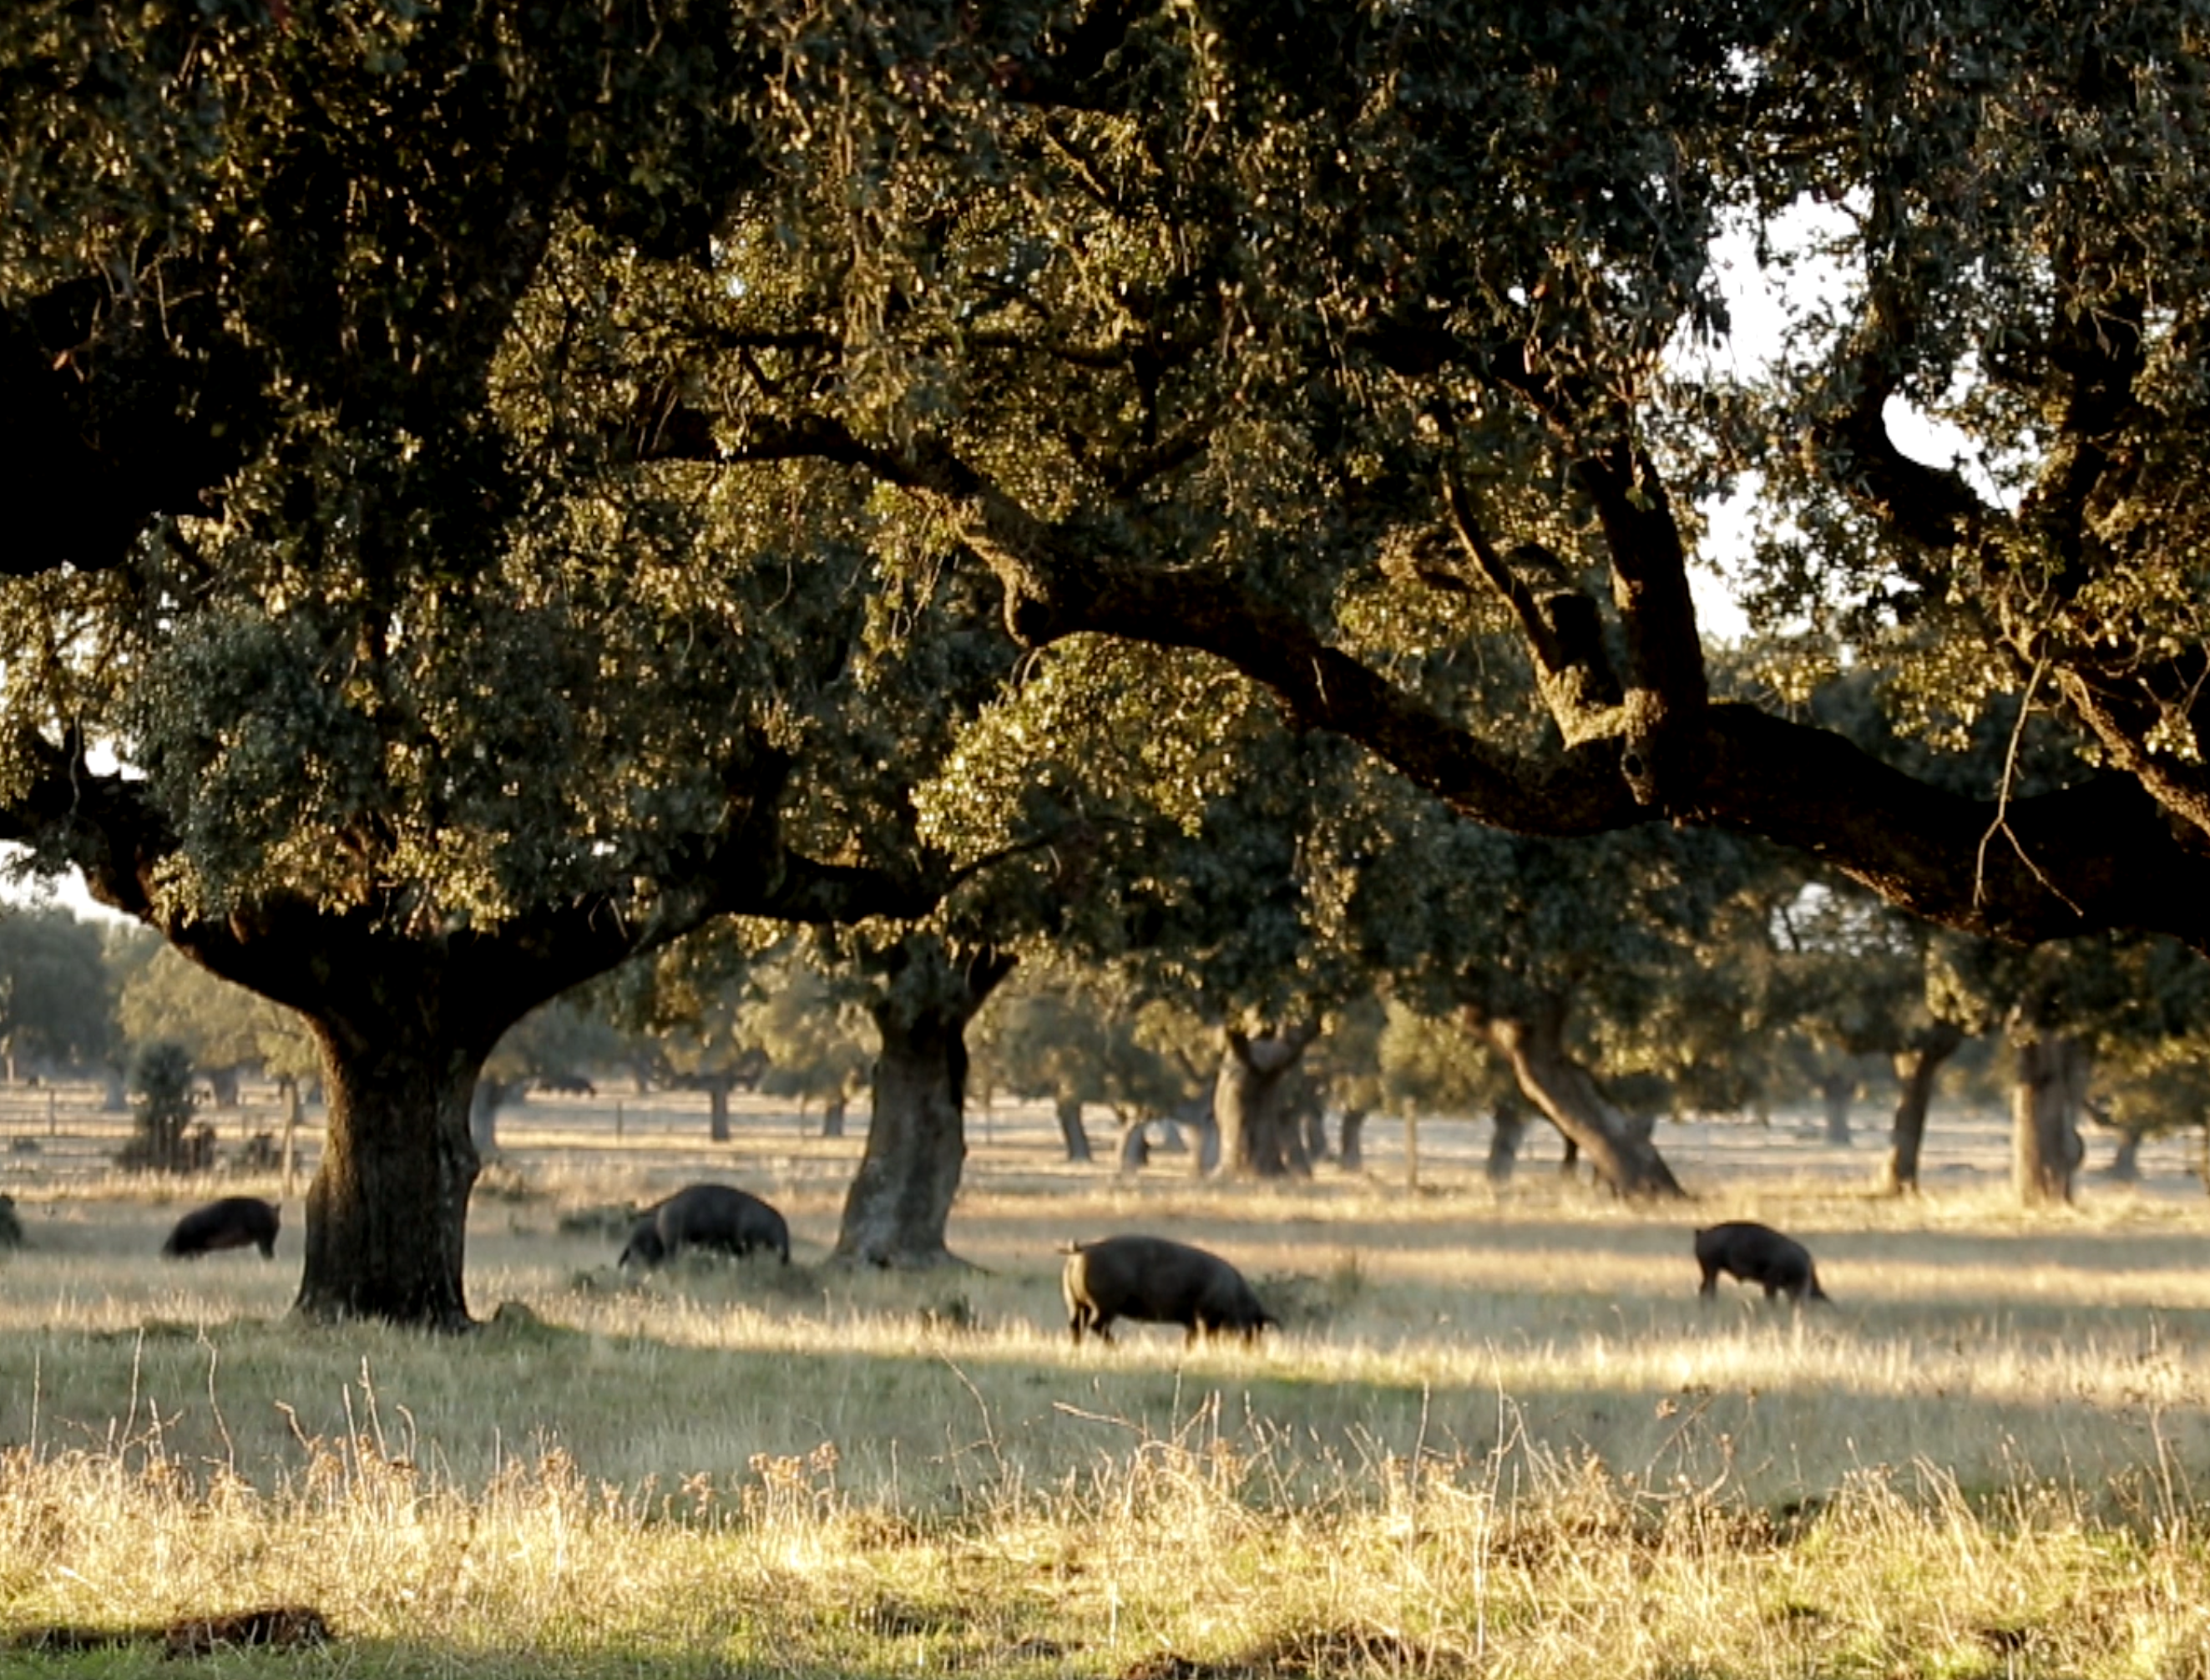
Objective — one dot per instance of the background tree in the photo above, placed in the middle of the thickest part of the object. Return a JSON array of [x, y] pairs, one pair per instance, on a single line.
[[691, 1000], [161, 1136], [1346, 1074], [1300, 321], [1072, 1038], [1853, 977], [1429, 1066], [552, 1046], [225, 1029], [1557, 956], [2060, 1008], [55, 1005], [436, 695], [1217, 850], [2145, 1090], [813, 1038]]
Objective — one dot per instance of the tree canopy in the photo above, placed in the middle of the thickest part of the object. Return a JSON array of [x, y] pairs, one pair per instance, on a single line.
[[511, 484], [327, 338], [1314, 338]]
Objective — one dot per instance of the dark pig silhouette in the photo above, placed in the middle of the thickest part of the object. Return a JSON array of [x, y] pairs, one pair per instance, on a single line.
[[1757, 1255], [232, 1223], [1157, 1282], [706, 1216]]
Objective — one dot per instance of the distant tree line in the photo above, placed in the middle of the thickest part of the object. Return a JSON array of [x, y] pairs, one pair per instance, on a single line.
[[1804, 995]]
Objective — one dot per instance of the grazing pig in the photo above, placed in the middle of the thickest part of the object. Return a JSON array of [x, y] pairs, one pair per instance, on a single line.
[[1157, 1282], [706, 1216], [1757, 1255], [232, 1223]]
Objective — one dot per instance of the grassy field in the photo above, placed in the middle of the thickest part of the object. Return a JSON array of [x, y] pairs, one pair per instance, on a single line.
[[1499, 1432]]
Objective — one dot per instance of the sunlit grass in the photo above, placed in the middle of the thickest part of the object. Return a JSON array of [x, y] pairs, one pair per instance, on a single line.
[[1496, 1431]]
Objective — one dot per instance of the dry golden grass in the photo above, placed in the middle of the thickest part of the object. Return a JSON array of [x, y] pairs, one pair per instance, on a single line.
[[1497, 1432]]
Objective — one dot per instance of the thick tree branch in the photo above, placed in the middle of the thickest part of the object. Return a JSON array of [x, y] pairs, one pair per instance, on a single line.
[[2100, 855], [2087, 858], [1560, 624], [1667, 690], [1929, 507]]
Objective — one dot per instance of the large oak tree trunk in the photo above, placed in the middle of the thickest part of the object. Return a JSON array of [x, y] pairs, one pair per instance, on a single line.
[[1914, 1069], [1260, 1133], [2049, 1085], [900, 1202], [1622, 1153], [387, 1211]]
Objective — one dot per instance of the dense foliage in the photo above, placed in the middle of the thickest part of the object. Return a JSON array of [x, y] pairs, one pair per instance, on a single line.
[[510, 484]]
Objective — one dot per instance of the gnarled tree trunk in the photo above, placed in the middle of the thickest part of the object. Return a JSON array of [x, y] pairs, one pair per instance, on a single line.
[[1914, 1069], [900, 1202], [2046, 1092], [1259, 1136], [386, 1211], [1621, 1152]]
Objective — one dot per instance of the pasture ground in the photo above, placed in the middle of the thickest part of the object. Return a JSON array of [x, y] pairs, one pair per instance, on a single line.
[[1499, 1432]]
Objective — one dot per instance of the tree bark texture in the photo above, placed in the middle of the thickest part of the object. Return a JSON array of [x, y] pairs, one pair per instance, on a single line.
[[1915, 1072], [386, 1211], [2046, 1091], [832, 1116], [718, 1110], [1259, 1136], [900, 1203], [1623, 1154]]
